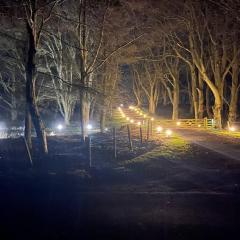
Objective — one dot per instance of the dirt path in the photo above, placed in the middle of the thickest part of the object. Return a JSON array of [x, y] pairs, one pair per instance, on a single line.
[[225, 146]]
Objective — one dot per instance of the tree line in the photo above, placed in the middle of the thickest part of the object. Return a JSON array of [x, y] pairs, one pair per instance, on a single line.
[[68, 54]]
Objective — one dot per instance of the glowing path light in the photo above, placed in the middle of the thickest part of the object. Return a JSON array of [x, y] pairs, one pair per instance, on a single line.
[[168, 132], [60, 127], [138, 111], [159, 129], [178, 123], [232, 129], [89, 126]]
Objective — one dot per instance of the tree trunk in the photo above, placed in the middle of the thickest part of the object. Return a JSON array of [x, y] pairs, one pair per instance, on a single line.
[[194, 91], [66, 118], [85, 113], [151, 106], [232, 115], [175, 110], [208, 109], [103, 120], [164, 92], [190, 97], [92, 109], [14, 113], [30, 92], [28, 128], [200, 97], [217, 109]]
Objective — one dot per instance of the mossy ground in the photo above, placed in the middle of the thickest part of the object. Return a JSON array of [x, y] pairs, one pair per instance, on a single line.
[[168, 147]]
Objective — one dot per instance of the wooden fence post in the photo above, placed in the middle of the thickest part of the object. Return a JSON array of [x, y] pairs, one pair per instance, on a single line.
[[148, 123], [89, 150], [129, 138], [151, 128], [205, 122], [114, 143], [28, 151], [140, 131]]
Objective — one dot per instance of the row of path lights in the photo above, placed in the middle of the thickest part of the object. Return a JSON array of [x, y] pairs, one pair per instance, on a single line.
[[159, 129]]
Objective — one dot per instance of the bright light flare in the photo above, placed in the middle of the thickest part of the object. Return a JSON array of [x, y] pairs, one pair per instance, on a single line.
[[89, 126], [168, 132], [128, 118], [2, 126], [60, 127], [121, 105], [152, 119], [232, 129], [139, 123], [199, 125], [159, 129], [178, 123], [131, 121]]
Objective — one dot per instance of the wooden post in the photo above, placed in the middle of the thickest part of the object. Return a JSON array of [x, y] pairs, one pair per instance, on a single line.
[[148, 123], [28, 151], [151, 128], [140, 131], [129, 138], [114, 143], [205, 122], [89, 150]]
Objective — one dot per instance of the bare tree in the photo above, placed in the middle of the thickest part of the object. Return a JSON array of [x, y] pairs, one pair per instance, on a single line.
[[61, 66], [37, 15]]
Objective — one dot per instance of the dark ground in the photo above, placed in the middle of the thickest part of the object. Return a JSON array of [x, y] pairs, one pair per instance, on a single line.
[[192, 195]]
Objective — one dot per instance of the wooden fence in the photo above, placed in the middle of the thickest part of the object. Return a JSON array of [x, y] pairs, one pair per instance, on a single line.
[[185, 123]]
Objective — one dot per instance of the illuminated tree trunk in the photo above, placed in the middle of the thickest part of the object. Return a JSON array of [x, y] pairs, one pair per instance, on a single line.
[[208, 108], [151, 105], [200, 97], [232, 115], [190, 97], [67, 119], [217, 108], [175, 99], [194, 91], [198, 61], [85, 103]]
